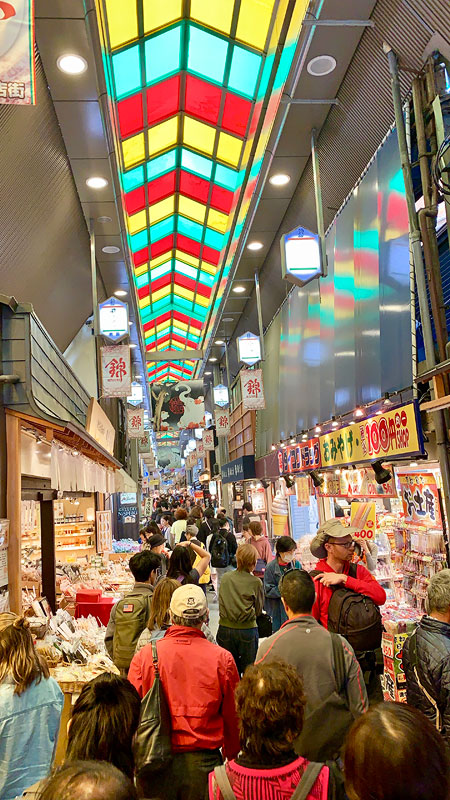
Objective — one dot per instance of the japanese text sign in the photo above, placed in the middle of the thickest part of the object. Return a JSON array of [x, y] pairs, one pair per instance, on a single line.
[[200, 449], [252, 389], [299, 457], [420, 498], [303, 489], [113, 319], [221, 395], [144, 443], [17, 70], [363, 518], [135, 423], [355, 483], [208, 440], [116, 371], [394, 433], [222, 420]]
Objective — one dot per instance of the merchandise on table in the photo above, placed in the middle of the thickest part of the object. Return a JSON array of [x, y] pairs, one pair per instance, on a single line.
[[125, 546], [303, 553]]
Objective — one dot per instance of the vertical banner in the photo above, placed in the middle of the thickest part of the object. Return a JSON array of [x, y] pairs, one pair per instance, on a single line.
[[200, 450], [420, 498], [116, 370], [17, 70], [363, 517], [208, 440], [144, 443], [252, 389], [222, 420], [135, 419]]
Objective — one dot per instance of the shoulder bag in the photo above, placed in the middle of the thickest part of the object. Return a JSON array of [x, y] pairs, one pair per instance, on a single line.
[[301, 792], [152, 746]]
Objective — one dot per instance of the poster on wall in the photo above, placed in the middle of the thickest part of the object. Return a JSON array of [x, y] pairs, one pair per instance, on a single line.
[[104, 531], [363, 518], [177, 406], [135, 419], [252, 389], [116, 370], [169, 457], [222, 420], [420, 498], [17, 65], [303, 489]]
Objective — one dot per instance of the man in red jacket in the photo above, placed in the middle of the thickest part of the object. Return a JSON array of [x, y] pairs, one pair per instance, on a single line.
[[334, 546], [198, 679]]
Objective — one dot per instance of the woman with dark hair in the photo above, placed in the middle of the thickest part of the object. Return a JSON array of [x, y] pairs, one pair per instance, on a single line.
[[104, 720], [159, 619], [180, 565], [270, 706], [30, 709], [84, 780], [285, 549], [395, 753]]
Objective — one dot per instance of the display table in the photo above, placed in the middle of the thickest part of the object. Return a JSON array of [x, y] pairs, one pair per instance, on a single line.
[[101, 610]]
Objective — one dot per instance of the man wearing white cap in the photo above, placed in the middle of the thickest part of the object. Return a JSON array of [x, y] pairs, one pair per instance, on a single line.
[[333, 545], [198, 679]]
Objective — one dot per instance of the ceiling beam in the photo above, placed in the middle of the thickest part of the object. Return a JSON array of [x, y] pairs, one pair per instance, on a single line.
[[340, 23]]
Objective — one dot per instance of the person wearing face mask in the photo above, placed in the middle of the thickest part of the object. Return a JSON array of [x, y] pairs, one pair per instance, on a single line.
[[285, 550]]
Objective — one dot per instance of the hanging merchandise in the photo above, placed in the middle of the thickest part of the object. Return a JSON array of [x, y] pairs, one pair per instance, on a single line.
[[208, 440], [116, 371], [222, 420], [252, 389], [135, 418], [17, 65], [178, 406]]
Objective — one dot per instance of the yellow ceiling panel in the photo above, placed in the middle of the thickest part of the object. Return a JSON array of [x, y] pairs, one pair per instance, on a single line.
[[198, 135], [163, 136], [229, 149], [190, 208], [156, 262], [161, 293], [122, 21], [141, 270], [253, 22], [137, 222], [162, 209], [217, 14], [217, 220], [209, 268], [188, 259], [145, 301], [133, 150], [182, 292], [160, 12]]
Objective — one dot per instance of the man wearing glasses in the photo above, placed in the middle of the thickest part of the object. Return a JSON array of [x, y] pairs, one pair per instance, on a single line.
[[333, 546]]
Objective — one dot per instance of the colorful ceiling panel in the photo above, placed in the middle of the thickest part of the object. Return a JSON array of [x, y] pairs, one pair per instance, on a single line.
[[195, 86]]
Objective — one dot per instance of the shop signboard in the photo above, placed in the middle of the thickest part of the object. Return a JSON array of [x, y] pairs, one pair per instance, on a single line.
[[393, 434], [200, 450], [303, 489], [116, 370], [363, 518], [178, 406], [137, 394], [208, 440], [135, 418], [241, 469], [99, 426], [222, 420], [221, 395], [420, 498], [299, 457], [252, 389], [113, 319], [301, 258], [355, 483], [144, 443], [248, 348], [17, 70]]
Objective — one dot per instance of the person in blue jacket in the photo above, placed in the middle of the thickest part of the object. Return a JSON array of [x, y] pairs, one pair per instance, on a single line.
[[285, 560]]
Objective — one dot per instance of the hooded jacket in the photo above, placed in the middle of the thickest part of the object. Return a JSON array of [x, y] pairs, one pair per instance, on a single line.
[[433, 669]]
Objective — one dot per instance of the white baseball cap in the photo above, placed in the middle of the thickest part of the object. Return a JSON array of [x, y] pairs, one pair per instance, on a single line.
[[188, 601]]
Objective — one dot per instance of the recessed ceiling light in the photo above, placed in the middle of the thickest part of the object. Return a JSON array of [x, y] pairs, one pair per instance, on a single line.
[[208, 373], [72, 64], [96, 182], [213, 359], [321, 65], [133, 344], [120, 293], [280, 179], [238, 289], [255, 246], [110, 248], [228, 319], [219, 341], [104, 219], [130, 323]]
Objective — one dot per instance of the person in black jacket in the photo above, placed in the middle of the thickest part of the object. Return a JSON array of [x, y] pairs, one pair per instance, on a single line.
[[221, 528], [426, 657], [206, 527]]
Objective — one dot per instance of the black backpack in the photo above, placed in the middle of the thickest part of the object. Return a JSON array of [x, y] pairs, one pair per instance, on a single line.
[[220, 556], [355, 616]]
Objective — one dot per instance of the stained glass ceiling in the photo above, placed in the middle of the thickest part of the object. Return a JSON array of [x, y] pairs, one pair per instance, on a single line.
[[195, 86]]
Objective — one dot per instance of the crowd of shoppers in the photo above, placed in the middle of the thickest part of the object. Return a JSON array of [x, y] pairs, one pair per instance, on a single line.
[[247, 718]]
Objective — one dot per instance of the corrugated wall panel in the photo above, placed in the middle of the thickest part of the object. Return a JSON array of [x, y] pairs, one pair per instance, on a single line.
[[44, 243]]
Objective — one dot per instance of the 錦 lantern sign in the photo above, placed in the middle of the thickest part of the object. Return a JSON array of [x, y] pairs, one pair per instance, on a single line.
[[301, 258], [113, 319], [249, 348]]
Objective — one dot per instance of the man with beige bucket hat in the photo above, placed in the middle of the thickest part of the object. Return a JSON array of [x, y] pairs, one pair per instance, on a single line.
[[348, 597]]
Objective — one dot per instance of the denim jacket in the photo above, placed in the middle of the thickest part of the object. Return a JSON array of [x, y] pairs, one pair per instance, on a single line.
[[272, 603], [29, 726]]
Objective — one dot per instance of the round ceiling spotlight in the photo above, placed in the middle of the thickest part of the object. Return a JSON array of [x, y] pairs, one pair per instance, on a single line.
[[72, 64], [228, 319], [255, 246], [213, 359], [279, 179], [121, 293], [321, 65], [238, 289], [96, 182], [208, 373], [219, 341], [110, 248], [104, 220]]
